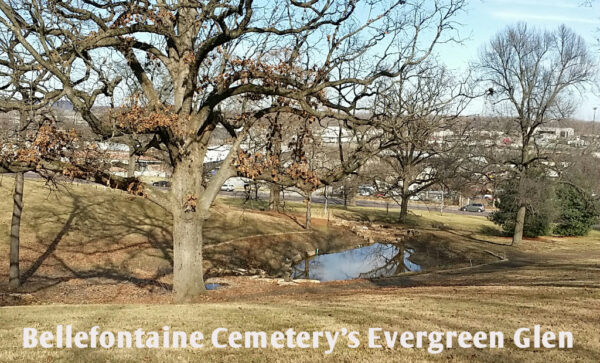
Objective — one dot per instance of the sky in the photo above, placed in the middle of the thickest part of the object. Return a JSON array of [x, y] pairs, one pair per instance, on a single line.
[[484, 18]]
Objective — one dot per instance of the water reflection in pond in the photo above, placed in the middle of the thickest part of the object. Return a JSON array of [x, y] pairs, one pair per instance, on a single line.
[[376, 260], [212, 286]]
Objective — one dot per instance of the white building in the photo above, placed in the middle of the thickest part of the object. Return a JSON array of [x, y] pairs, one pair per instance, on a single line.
[[555, 132], [331, 133]]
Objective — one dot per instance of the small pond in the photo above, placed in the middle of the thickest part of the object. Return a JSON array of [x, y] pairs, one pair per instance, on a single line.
[[376, 260]]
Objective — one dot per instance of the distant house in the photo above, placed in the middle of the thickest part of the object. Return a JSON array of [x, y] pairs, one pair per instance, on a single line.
[[555, 132], [216, 153], [331, 134], [146, 165], [442, 134]]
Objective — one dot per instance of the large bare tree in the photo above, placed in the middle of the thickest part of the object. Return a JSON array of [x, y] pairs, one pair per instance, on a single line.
[[314, 58], [533, 75], [420, 111]]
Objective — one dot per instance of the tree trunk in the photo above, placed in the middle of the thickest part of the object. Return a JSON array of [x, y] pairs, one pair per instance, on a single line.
[[404, 204], [190, 206], [325, 212], [306, 268], [519, 226], [442, 203], [520, 220], [131, 166], [188, 279], [403, 209], [15, 228], [308, 210], [188, 220], [275, 197], [351, 201], [345, 196]]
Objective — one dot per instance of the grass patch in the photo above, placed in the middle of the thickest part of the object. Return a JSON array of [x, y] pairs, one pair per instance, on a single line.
[[419, 309]]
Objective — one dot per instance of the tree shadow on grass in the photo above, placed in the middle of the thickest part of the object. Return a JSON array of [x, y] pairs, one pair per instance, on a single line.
[[484, 230], [51, 248], [101, 238], [111, 238]]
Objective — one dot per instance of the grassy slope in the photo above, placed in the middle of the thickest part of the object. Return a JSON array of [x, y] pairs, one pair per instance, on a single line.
[[82, 230], [101, 221]]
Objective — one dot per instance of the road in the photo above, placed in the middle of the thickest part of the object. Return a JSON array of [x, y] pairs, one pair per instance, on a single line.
[[320, 199]]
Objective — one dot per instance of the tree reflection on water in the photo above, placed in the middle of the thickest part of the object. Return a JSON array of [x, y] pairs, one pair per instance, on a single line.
[[376, 260]]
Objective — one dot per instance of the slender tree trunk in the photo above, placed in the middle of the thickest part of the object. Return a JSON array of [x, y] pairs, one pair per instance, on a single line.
[[519, 225], [15, 228], [306, 268], [14, 275], [520, 220], [131, 166], [274, 195], [442, 203], [308, 210], [325, 204], [404, 203], [351, 196], [403, 209]]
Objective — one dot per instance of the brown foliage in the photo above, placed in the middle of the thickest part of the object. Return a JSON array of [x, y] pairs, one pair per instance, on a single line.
[[140, 119]]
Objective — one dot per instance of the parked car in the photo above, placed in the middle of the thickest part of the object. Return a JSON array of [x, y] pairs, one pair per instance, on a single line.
[[227, 187], [162, 184], [473, 207], [366, 190]]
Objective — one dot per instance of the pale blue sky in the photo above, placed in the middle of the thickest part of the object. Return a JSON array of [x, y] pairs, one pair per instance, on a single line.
[[484, 18]]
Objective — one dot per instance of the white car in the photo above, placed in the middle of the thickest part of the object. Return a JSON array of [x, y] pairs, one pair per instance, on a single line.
[[227, 187]]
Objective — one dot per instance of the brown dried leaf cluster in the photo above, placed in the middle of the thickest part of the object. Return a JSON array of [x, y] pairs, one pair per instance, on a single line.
[[255, 165], [48, 143], [190, 203], [139, 119], [279, 74], [143, 15]]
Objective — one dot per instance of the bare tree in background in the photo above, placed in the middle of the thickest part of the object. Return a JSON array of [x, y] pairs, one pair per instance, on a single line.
[[420, 110], [533, 75], [217, 54], [303, 160]]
